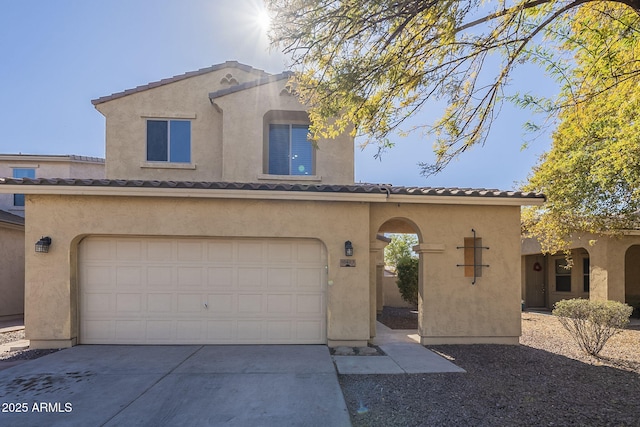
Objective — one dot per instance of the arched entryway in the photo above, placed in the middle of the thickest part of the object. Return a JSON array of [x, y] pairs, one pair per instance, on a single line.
[[387, 299], [632, 278]]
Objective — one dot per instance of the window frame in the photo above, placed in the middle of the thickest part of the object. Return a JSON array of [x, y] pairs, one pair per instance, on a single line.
[[560, 270], [291, 140], [169, 137], [291, 118], [586, 275]]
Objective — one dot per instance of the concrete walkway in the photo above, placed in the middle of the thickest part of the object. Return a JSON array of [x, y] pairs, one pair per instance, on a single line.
[[404, 355]]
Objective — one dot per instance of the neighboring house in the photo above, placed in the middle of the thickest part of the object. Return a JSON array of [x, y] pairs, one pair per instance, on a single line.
[[605, 268], [11, 264], [218, 222], [44, 166], [12, 213]]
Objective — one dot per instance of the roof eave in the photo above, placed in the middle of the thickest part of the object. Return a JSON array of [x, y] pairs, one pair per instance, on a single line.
[[373, 197]]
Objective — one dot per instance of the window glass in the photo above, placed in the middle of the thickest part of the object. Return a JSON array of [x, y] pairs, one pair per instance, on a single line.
[[563, 276], [301, 151], [290, 152], [585, 274], [169, 141], [157, 140], [18, 199], [279, 149], [180, 141]]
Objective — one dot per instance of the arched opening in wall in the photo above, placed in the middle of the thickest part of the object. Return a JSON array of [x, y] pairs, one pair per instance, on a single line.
[[398, 270], [632, 279]]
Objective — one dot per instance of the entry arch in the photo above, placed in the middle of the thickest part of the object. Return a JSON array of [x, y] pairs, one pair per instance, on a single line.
[[399, 225]]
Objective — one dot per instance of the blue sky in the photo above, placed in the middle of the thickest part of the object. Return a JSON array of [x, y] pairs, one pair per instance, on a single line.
[[56, 56]]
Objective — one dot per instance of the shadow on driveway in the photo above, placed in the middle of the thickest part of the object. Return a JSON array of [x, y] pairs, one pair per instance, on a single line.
[[175, 385]]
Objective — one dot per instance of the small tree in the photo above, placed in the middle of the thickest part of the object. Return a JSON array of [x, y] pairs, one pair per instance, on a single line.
[[592, 323], [407, 269], [400, 247]]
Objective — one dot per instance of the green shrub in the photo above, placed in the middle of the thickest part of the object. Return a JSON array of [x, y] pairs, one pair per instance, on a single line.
[[592, 323], [407, 269]]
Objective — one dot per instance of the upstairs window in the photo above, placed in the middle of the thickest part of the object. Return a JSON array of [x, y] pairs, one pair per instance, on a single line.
[[18, 199], [169, 141], [290, 151]]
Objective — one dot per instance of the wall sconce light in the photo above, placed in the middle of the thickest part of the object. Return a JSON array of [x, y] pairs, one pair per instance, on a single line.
[[348, 248], [43, 244]]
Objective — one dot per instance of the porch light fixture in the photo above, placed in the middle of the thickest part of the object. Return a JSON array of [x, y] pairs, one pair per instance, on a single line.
[[348, 248], [43, 244]]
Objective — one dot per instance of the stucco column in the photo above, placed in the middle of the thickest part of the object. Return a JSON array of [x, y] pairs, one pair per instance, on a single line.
[[607, 275], [426, 252], [376, 249]]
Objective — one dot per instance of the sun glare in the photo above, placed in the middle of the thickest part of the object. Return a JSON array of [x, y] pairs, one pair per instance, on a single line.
[[263, 20]]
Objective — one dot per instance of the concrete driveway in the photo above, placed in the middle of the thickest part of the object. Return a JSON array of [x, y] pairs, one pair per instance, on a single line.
[[274, 385]]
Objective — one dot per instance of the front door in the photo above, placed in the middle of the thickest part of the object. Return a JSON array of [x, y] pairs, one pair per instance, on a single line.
[[535, 281]]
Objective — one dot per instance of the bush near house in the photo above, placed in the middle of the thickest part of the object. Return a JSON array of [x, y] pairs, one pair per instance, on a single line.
[[407, 269], [592, 323]]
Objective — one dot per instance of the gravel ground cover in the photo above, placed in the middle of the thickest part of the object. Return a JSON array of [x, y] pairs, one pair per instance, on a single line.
[[10, 356], [546, 381]]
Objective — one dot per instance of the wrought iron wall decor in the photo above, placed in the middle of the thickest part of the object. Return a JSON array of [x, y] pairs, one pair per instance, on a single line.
[[473, 257]]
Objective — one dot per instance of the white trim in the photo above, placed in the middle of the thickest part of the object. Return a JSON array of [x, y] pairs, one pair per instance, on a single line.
[[169, 116], [265, 194], [167, 165], [24, 166], [268, 177]]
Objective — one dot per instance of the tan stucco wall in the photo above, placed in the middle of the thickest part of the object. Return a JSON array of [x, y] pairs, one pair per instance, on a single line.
[[12, 253], [391, 294], [227, 139], [452, 309], [51, 288], [612, 266]]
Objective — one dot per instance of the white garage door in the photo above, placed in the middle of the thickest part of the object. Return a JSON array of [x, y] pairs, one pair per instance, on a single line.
[[202, 291]]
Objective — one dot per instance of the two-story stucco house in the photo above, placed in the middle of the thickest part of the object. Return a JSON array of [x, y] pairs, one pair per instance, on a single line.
[[12, 213], [219, 222]]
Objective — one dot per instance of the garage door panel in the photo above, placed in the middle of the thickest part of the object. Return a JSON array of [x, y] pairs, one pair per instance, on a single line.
[[279, 252], [221, 331], [129, 277], [220, 251], [160, 276], [249, 278], [309, 304], [98, 277], [160, 303], [161, 331], [190, 277], [189, 303], [220, 277], [250, 303], [129, 303], [309, 278], [198, 291], [129, 251], [280, 278], [279, 304], [221, 303], [129, 331], [98, 303], [250, 252]]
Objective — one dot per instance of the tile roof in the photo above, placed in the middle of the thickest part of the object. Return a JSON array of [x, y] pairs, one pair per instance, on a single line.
[[318, 188], [228, 64], [11, 218]]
